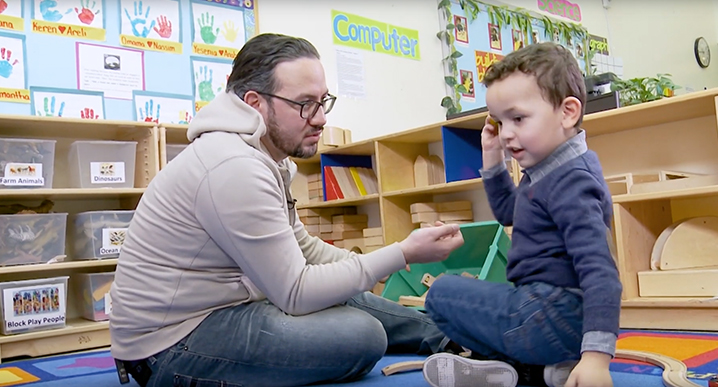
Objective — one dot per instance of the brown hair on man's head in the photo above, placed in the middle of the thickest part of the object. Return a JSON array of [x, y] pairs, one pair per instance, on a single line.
[[556, 71]]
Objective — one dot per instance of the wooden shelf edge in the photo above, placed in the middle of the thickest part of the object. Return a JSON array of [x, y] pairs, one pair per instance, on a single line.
[[69, 192], [670, 302], [454, 186], [672, 194], [74, 326], [57, 266], [340, 202]]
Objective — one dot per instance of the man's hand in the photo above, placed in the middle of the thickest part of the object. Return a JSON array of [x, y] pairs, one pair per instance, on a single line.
[[431, 244], [591, 371]]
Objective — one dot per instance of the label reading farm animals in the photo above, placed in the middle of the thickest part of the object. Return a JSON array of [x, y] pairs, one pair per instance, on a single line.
[[32, 307], [107, 172], [23, 174], [112, 240]]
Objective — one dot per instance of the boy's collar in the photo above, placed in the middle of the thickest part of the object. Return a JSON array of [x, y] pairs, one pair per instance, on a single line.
[[569, 150]]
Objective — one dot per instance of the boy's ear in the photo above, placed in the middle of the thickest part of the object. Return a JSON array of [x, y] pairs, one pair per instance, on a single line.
[[571, 109]]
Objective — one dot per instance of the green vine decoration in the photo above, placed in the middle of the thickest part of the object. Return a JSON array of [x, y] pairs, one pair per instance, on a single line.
[[519, 19]]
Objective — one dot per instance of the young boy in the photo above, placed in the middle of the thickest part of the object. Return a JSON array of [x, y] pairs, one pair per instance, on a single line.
[[563, 308]]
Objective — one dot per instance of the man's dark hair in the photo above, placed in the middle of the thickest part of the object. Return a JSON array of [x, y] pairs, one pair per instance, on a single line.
[[556, 71], [253, 68]]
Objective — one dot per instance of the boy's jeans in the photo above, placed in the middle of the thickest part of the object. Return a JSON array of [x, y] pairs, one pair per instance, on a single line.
[[536, 324], [258, 345]]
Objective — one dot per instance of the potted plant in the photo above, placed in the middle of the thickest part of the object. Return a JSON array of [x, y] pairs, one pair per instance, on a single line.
[[644, 89]]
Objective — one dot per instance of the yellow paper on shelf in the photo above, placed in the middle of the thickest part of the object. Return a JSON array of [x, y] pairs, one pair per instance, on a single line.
[[357, 180]]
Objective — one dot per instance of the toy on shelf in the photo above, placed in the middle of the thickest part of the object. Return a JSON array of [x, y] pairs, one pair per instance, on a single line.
[[637, 183], [456, 212], [314, 183], [428, 171]]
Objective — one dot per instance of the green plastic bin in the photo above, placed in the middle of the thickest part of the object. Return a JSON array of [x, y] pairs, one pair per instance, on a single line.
[[483, 255]]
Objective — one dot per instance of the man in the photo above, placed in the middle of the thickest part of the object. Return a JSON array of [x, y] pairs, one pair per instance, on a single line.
[[219, 283]]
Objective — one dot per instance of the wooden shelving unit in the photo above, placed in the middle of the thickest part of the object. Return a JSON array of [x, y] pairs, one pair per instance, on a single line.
[[673, 134], [78, 334]]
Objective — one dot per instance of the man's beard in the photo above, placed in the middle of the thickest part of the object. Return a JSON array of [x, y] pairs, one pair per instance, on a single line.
[[283, 144]]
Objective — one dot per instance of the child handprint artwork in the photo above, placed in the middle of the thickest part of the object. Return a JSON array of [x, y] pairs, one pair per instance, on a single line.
[[206, 28], [3, 6], [205, 88], [184, 117], [6, 63], [218, 26], [48, 108], [165, 27], [146, 113], [48, 11], [139, 21], [86, 13]]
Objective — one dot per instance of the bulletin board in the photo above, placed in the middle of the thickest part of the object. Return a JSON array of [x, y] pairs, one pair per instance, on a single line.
[[151, 60], [481, 43]]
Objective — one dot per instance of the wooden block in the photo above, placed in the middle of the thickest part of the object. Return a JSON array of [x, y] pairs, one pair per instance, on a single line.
[[350, 218], [327, 236], [347, 136], [346, 235], [315, 193], [312, 228], [325, 219], [373, 231], [378, 288], [337, 211], [314, 177], [669, 185], [456, 215], [325, 228], [315, 185], [307, 212], [424, 217], [436, 168], [333, 135], [422, 172], [338, 243], [411, 301], [425, 225], [354, 244], [423, 207], [460, 205], [341, 227], [691, 244], [678, 283], [309, 219], [374, 241], [369, 249]]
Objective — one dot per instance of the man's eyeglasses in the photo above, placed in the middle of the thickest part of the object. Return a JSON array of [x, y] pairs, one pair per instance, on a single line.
[[308, 108]]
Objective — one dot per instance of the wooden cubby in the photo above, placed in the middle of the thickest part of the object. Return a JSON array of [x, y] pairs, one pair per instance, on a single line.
[[78, 334], [678, 134]]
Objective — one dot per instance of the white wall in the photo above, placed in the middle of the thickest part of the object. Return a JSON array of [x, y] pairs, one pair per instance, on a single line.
[[401, 93]]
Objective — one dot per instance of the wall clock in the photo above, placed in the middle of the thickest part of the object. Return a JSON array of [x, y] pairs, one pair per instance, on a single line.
[[702, 52]]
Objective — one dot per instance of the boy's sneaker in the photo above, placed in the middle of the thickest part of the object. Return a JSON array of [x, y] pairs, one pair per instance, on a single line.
[[556, 375], [448, 370]]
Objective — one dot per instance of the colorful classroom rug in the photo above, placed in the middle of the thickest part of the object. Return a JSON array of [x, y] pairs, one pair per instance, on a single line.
[[97, 369]]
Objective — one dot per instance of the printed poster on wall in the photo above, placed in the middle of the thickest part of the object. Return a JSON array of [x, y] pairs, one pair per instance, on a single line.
[[79, 19], [161, 107], [217, 30], [11, 15], [116, 72], [151, 25], [53, 102], [209, 79], [13, 71]]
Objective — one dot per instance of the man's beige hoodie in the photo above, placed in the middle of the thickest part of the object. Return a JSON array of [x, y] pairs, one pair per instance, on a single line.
[[213, 230]]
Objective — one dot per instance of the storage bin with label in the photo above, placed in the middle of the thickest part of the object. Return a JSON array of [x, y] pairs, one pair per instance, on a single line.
[[102, 164], [100, 234], [33, 305], [93, 290], [32, 238], [26, 163], [173, 150]]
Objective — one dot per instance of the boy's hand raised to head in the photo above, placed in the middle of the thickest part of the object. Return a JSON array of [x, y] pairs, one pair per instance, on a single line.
[[492, 150], [431, 244]]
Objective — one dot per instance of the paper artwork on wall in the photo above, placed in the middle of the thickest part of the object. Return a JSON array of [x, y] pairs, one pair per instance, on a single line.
[[217, 31], [151, 25], [11, 15], [209, 79], [13, 70], [51, 102], [79, 19], [165, 108]]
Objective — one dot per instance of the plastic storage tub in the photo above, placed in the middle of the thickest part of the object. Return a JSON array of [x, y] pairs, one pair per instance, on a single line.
[[98, 164], [100, 234], [33, 305], [32, 238], [94, 294], [482, 255], [26, 163], [173, 150]]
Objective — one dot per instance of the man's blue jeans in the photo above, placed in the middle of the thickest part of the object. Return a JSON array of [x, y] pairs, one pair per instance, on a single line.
[[257, 344], [537, 324]]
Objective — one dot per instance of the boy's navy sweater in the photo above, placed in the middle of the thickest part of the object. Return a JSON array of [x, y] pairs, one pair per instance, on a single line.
[[561, 217]]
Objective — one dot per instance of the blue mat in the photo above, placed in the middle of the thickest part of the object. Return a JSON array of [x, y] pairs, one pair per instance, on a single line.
[[97, 370]]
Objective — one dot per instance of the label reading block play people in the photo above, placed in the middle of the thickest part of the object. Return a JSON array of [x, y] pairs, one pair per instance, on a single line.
[[366, 34], [107, 172], [23, 175], [32, 307], [112, 240]]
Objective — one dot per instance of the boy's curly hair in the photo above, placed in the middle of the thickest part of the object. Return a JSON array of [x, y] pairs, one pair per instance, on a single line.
[[556, 71]]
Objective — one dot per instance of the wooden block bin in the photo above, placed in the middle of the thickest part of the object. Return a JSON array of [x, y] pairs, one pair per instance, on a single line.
[[482, 255]]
